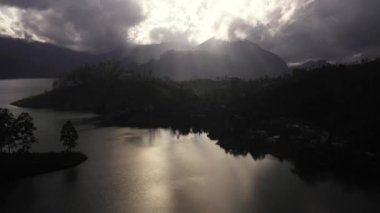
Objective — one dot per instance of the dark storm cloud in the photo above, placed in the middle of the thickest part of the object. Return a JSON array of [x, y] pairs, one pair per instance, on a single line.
[[94, 25], [331, 29], [37, 4]]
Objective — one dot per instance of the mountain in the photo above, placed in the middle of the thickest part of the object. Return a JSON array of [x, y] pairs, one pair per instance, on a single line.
[[195, 64], [142, 54], [214, 58], [312, 65], [30, 59], [25, 59], [251, 60], [210, 60]]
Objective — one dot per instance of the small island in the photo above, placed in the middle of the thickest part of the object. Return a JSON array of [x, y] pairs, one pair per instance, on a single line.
[[16, 139]]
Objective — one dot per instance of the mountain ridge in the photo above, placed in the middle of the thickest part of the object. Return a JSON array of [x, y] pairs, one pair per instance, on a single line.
[[215, 58], [211, 59]]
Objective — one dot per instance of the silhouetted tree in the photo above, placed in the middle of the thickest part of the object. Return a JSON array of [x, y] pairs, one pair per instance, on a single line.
[[69, 136], [24, 128], [16, 133], [6, 132]]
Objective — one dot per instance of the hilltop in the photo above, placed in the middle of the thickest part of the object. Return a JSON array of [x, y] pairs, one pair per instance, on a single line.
[[212, 59]]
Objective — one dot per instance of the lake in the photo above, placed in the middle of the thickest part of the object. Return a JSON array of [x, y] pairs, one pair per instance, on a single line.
[[158, 170]]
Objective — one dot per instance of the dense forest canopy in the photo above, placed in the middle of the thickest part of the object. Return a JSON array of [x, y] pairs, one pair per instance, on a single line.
[[342, 99]]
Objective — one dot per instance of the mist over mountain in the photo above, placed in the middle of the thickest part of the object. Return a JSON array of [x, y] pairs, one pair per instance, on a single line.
[[210, 60], [192, 64], [312, 64], [142, 54], [214, 58], [251, 60]]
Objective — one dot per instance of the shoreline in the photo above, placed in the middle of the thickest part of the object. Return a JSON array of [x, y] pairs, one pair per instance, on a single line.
[[21, 165]]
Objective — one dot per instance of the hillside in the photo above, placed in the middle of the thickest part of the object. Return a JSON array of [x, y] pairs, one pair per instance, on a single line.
[[142, 54], [324, 120], [218, 59], [23, 59], [251, 60], [108, 89], [190, 65], [212, 59], [340, 99]]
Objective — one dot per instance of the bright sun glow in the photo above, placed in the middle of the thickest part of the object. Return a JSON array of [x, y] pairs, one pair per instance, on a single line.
[[198, 20], [8, 16], [191, 21]]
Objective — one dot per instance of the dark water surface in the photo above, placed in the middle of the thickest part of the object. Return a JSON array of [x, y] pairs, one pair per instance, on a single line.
[[156, 170]]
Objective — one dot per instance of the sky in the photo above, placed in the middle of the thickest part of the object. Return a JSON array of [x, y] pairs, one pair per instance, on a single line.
[[297, 30]]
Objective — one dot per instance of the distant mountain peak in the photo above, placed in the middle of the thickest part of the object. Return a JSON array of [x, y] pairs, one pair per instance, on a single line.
[[219, 58], [211, 59], [211, 41]]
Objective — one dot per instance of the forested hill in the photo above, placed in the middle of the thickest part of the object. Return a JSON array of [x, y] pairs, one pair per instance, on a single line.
[[340, 99], [23, 59], [212, 59]]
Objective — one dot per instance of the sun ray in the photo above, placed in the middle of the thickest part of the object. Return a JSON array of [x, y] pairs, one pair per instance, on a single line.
[[202, 19]]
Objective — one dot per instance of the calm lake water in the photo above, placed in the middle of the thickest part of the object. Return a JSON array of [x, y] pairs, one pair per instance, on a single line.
[[156, 170]]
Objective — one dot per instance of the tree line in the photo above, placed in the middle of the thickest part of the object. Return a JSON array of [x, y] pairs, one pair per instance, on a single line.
[[17, 133], [341, 99]]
